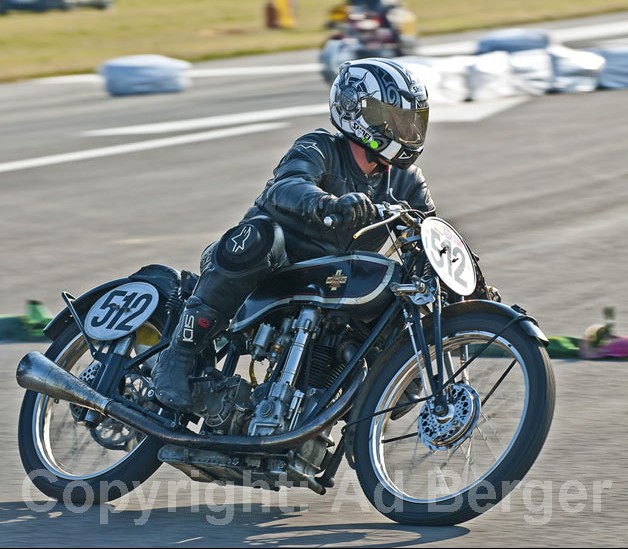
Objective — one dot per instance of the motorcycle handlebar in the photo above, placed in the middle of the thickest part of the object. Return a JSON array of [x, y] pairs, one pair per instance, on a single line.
[[332, 220], [386, 213]]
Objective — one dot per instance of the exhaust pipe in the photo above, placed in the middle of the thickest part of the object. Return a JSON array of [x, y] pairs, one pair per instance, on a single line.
[[40, 374]]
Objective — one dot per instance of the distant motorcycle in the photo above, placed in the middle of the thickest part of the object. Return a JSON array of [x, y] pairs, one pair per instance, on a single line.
[[441, 395], [362, 34]]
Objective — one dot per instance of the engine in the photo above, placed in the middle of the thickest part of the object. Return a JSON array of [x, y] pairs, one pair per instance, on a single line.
[[224, 403], [305, 354]]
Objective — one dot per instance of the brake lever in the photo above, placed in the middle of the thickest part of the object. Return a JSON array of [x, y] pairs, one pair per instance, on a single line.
[[386, 221], [397, 211]]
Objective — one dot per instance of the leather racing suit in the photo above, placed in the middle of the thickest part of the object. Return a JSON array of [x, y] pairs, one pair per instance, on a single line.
[[283, 225]]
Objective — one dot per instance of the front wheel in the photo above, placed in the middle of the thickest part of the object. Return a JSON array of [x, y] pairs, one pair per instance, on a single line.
[[428, 465]]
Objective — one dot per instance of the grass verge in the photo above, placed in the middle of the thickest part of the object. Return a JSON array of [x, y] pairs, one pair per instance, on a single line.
[[77, 41]]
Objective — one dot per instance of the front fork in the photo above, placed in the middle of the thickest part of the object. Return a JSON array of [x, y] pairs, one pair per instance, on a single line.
[[428, 291]]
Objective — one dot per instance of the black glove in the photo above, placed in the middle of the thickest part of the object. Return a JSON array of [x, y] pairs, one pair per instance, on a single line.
[[350, 211], [493, 293]]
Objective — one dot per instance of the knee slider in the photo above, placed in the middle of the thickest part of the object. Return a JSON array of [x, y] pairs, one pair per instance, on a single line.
[[246, 248]]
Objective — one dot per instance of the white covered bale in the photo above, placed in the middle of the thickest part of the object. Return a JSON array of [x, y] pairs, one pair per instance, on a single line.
[[512, 40], [532, 71], [490, 77], [575, 70], [615, 72], [142, 74], [335, 53], [444, 77]]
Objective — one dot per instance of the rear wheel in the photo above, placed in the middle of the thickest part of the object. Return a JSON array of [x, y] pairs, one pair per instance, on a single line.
[[70, 461], [443, 466]]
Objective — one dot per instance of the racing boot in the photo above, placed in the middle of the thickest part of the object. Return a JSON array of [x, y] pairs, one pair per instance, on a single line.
[[198, 325]]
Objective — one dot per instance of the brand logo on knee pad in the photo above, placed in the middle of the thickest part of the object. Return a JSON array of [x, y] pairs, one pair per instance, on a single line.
[[239, 241], [187, 334]]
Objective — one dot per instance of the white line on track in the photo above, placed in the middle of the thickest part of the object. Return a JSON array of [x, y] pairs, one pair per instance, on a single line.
[[461, 47], [444, 112], [456, 112], [197, 73], [136, 147], [591, 32], [583, 32], [214, 121], [251, 71]]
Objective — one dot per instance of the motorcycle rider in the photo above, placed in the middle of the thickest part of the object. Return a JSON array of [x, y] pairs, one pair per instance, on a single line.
[[381, 112]]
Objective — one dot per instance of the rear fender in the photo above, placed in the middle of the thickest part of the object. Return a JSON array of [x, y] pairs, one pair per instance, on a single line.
[[162, 277]]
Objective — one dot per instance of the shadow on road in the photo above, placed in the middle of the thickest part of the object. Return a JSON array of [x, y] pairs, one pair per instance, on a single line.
[[51, 524]]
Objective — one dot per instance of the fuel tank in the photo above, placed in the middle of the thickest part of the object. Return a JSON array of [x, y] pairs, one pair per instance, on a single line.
[[357, 282]]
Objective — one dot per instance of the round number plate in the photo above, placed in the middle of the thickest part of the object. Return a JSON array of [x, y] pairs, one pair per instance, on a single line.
[[449, 255], [121, 311]]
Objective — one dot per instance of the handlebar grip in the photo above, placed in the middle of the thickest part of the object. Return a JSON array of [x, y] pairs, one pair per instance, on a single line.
[[332, 220], [335, 220]]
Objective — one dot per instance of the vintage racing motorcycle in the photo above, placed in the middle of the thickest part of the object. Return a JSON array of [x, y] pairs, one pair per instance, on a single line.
[[404, 363]]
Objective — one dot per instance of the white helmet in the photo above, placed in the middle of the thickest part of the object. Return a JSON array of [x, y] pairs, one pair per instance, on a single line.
[[381, 106]]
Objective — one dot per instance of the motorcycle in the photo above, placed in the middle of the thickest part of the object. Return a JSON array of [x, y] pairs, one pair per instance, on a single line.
[[367, 34], [437, 393]]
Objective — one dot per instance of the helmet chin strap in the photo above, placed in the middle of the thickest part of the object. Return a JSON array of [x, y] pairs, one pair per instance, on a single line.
[[372, 156]]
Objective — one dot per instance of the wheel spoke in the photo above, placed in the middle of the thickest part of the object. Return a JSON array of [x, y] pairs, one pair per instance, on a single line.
[[71, 449], [467, 450], [499, 381], [487, 426], [495, 451]]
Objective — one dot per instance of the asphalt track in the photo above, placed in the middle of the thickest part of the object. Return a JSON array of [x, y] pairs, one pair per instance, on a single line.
[[538, 187]]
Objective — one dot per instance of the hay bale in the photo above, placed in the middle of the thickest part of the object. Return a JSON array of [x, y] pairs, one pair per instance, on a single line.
[[142, 74]]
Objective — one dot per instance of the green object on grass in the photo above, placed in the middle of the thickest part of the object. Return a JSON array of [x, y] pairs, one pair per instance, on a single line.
[[563, 347], [559, 347], [37, 316], [28, 327]]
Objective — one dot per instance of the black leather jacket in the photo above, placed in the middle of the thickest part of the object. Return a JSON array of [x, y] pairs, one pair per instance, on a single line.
[[318, 163]]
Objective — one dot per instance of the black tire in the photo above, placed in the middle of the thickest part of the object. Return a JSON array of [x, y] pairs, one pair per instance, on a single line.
[[417, 490], [55, 475]]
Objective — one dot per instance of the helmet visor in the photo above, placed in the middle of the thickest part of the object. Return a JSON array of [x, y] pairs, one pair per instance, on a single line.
[[406, 126]]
